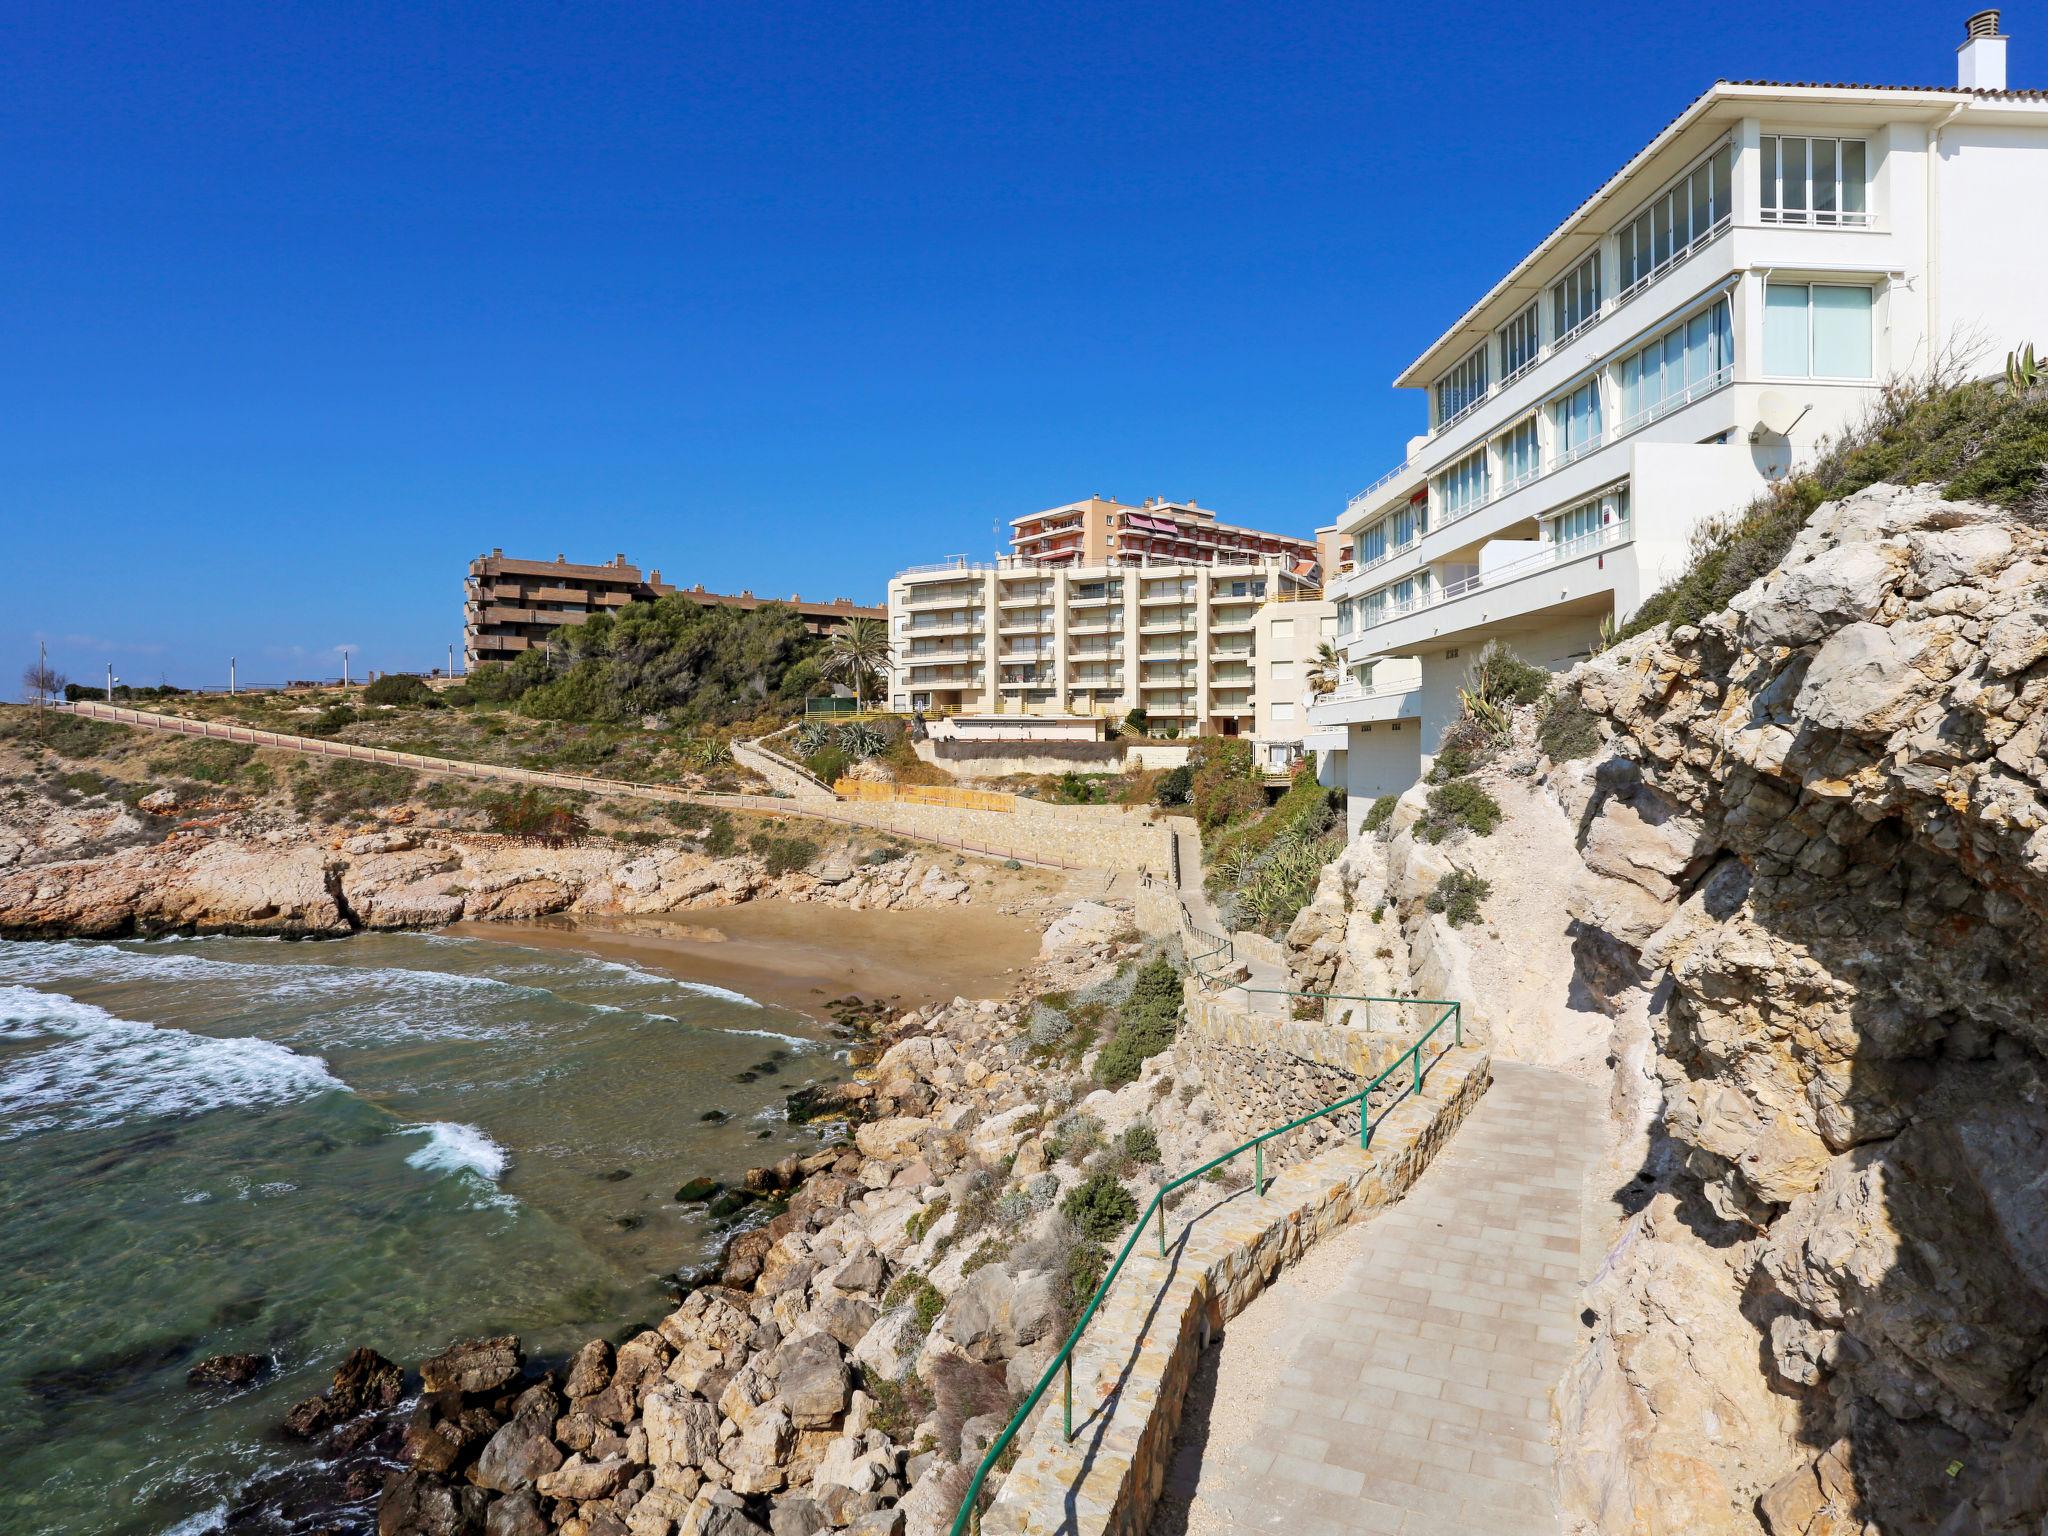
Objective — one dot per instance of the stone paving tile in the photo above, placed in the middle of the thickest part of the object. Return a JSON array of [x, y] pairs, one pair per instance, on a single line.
[[1426, 1382]]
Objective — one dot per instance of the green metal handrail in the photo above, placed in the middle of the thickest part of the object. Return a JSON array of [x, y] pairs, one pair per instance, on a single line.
[[1453, 1014]]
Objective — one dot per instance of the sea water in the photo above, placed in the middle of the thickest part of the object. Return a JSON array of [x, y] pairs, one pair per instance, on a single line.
[[292, 1149]]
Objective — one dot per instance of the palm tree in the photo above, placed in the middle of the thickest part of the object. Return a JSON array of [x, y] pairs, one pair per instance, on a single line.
[[857, 650], [1324, 670]]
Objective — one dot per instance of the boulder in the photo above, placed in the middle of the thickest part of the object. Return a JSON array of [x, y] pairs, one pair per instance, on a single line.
[[582, 1479], [473, 1365], [811, 1379], [414, 1504], [523, 1450], [516, 1514], [363, 1382], [226, 1371], [894, 1138], [591, 1371], [681, 1430], [442, 1431]]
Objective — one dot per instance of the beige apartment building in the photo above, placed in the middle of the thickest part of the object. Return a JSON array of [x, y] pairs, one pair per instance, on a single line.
[[512, 606], [1087, 617]]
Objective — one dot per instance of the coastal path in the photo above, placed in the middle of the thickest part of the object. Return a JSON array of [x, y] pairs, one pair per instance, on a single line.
[[1415, 1394], [830, 809]]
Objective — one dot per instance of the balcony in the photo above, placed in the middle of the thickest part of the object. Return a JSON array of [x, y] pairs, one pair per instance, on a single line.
[[1349, 704], [1585, 581], [954, 597], [1176, 595]]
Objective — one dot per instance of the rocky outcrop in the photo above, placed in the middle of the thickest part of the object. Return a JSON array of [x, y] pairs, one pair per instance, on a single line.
[[1793, 912], [296, 883]]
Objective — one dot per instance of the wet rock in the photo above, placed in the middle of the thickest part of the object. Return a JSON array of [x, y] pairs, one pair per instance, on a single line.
[[516, 1514], [442, 1431], [304, 1420], [226, 1371], [591, 1371], [363, 1382], [413, 1504], [523, 1450], [473, 1365], [696, 1190]]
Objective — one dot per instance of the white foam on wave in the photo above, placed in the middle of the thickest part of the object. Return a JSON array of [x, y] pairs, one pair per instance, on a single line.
[[769, 1034], [99, 1069], [205, 1523], [453, 1147]]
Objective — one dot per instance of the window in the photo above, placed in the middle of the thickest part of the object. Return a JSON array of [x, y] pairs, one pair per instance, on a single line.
[[1692, 353], [1326, 626], [1370, 545], [1575, 299], [1576, 418], [1518, 454], [1463, 387], [1520, 342], [1607, 510], [1682, 216], [1812, 181], [1817, 330], [1462, 487], [1283, 629], [1283, 713], [1283, 671], [1344, 617]]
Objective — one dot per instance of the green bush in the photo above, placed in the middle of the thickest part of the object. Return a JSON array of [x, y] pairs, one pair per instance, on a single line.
[[1100, 1206], [1174, 786], [1460, 804], [1381, 813], [1224, 784], [209, 762], [926, 1300], [344, 788], [1145, 1027], [334, 718], [1568, 730], [1453, 761], [1981, 441], [1499, 676], [457, 696], [923, 1221], [828, 763], [782, 855], [721, 838], [530, 817], [401, 688], [1087, 1262], [1457, 897], [1141, 1143]]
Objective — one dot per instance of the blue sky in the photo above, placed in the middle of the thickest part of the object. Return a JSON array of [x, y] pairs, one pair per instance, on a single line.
[[306, 305]]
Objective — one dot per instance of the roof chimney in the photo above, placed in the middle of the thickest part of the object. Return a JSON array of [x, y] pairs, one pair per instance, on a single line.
[[1980, 62]]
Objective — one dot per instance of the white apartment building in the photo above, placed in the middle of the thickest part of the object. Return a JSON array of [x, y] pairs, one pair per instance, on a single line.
[[1734, 294], [1021, 637], [1286, 634]]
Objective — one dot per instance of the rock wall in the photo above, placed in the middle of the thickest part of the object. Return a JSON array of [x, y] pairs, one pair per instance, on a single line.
[[1792, 911]]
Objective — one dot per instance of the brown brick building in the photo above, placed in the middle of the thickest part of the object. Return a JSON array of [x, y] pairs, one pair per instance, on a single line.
[[512, 606]]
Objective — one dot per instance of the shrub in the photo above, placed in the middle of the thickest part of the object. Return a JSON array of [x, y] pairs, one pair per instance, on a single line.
[[1453, 761], [457, 697], [1075, 1138], [1568, 730], [721, 841], [782, 855], [1100, 1206], [1224, 782], [532, 818], [1087, 1262], [1136, 722], [1499, 676], [1049, 1026], [828, 763], [859, 740], [210, 762], [900, 1406], [401, 688], [926, 1300], [923, 1221], [1146, 1026], [1072, 789], [1174, 786], [1141, 1143], [1457, 896], [1381, 813], [1458, 805]]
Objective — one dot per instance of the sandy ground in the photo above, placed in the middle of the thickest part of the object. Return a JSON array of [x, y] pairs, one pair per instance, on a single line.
[[802, 954]]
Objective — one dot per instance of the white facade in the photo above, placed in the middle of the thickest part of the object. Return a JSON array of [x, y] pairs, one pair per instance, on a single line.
[[1734, 296], [1017, 637], [1286, 634]]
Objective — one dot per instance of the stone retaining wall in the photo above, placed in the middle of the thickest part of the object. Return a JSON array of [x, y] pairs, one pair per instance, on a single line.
[[1133, 1366], [1265, 1070], [1102, 837]]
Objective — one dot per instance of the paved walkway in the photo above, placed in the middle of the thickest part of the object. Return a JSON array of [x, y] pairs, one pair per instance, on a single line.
[[1416, 1399], [1267, 980]]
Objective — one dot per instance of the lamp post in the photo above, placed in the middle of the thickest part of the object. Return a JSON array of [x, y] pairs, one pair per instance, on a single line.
[[344, 669], [451, 661], [231, 677], [111, 680]]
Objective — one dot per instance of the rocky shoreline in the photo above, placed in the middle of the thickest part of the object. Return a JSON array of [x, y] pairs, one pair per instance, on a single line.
[[882, 1305]]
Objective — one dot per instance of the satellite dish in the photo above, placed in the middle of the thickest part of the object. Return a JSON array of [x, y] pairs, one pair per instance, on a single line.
[[1778, 414]]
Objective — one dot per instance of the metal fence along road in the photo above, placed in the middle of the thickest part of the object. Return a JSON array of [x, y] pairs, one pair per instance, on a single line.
[[769, 805]]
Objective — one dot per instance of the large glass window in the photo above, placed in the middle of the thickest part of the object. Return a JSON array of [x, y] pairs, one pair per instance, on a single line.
[[1520, 342], [1371, 544], [1518, 454], [1463, 386], [1575, 298], [1690, 355], [1576, 418], [1462, 487], [1581, 521], [1680, 217], [1812, 181], [1818, 330]]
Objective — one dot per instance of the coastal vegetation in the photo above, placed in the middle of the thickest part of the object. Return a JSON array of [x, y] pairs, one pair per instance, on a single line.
[[1983, 440], [1263, 861]]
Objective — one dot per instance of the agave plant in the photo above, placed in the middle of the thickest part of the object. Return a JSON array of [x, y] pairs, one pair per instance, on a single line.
[[1494, 719], [812, 738], [858, 740], [2023, 370]]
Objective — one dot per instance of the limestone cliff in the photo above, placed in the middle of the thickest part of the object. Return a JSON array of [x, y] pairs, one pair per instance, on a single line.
[[1794, 910]]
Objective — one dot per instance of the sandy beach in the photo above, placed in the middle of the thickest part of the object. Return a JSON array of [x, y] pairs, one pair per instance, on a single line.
[[802, 954]]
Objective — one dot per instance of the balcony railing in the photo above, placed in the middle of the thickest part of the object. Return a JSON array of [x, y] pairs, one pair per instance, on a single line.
[[1560, 553]]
